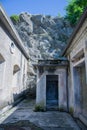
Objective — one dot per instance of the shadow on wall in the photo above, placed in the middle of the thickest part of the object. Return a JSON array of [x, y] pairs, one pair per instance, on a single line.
[[31, 94], [5, 104], [19, 97]]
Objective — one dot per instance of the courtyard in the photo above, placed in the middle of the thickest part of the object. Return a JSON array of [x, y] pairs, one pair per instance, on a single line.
[[22, 117]]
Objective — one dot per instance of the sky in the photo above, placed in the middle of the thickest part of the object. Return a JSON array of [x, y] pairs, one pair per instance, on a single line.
[[45, 7]]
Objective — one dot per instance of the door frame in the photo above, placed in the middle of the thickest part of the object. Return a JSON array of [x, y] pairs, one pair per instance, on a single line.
[[57, 87]]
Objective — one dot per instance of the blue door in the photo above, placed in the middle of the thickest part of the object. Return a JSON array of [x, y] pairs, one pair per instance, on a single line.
[[52, 91]]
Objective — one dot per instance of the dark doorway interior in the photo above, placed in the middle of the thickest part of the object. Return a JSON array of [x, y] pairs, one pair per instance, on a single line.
[[80, 89], [52, 91]]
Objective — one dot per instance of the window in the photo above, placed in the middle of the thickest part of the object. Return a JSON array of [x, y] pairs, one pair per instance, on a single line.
[[12, 48]]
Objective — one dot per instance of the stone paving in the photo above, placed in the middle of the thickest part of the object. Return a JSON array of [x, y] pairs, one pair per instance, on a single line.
[[22, 117]]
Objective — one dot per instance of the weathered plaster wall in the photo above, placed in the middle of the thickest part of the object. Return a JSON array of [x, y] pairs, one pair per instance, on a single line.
[[41, 87], [11, 84], [84, 92], [77, 73]]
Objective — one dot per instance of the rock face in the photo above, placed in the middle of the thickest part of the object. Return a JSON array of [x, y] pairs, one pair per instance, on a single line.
[[43, 36]]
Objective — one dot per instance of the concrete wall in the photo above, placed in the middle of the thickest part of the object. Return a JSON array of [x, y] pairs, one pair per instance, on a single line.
[[62, 84], [77, 73], [12, 80], [84, 91]]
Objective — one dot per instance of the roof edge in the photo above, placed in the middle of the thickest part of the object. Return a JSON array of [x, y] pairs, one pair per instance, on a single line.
[[6, 20], [78, 26]]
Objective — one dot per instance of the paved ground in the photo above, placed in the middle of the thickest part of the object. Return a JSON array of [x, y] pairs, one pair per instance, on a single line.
[[22, 117]]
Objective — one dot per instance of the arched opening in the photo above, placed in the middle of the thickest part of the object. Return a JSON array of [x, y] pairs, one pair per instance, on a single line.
[[16, 69], [1, 59], [15, 83]]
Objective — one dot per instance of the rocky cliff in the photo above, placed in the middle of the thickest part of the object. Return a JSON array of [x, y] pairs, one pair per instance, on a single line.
[[44, 36]]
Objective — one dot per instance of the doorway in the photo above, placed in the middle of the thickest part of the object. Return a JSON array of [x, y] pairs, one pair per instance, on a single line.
[[52, 91], [80, 89]]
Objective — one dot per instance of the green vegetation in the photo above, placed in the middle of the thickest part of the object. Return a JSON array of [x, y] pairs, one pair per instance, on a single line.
[[74, 10], [59, 15], [15, 18], [71, 110], [39, 108]]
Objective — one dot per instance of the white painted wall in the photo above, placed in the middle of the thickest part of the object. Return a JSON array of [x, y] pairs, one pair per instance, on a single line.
[[11, 84], [41, 87]]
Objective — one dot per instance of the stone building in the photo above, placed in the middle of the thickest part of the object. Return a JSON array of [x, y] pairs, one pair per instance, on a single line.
[[13, 63], [76, 52], [51, 84], [65, 85], [61, 83]]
